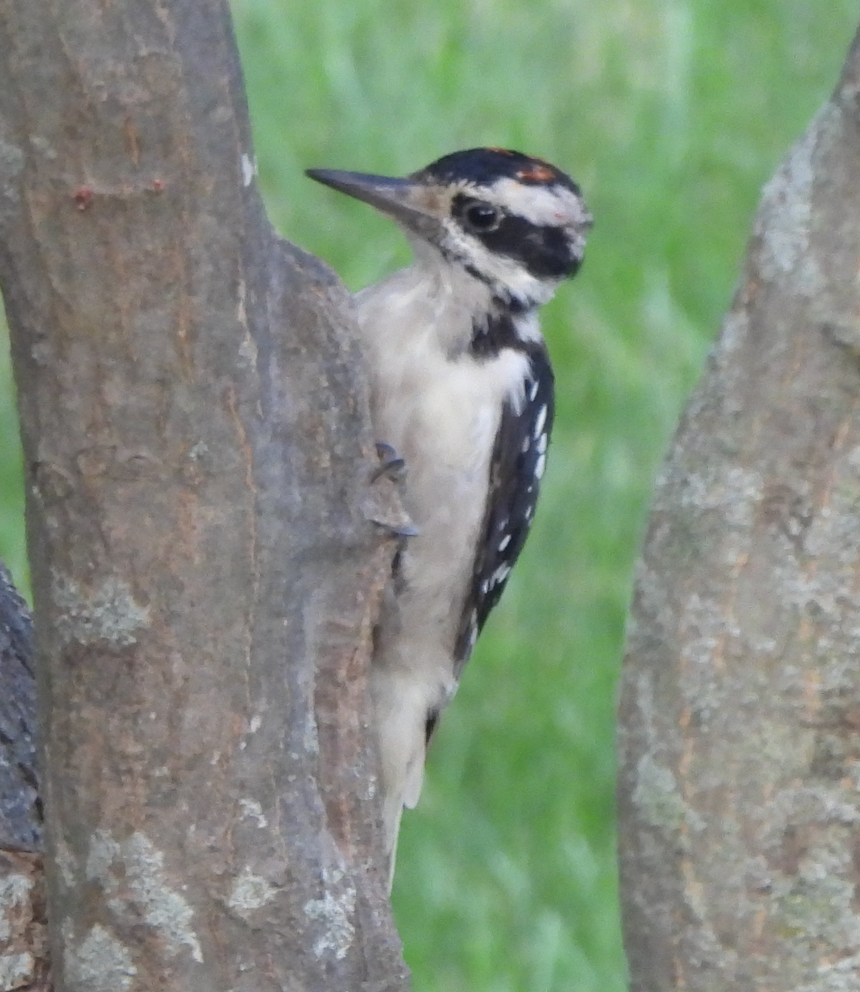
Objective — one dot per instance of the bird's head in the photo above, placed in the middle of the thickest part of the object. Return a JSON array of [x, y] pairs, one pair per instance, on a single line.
[[514, 222]]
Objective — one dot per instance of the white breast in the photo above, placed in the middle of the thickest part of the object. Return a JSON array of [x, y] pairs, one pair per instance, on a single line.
[[440, 408]]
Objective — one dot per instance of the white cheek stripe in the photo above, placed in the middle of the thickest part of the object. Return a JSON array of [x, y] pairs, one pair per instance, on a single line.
[[501, 269]]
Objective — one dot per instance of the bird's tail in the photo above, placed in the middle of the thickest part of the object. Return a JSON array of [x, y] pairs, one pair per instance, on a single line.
[[400, 722]]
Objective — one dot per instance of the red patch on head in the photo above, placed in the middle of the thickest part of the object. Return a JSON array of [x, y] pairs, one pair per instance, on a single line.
[[537, 172], [501, 151]]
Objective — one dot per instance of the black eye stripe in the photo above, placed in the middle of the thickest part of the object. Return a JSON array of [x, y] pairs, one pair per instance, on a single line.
[[544, 251]]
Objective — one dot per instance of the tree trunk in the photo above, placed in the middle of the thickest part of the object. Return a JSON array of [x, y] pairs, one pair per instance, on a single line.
[[205, 566], [740, 703], [23, 943]]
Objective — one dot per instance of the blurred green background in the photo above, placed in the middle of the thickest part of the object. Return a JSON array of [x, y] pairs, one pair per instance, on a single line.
[[671, 114]]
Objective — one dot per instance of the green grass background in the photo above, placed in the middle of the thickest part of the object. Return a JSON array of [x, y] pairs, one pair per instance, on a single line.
[[671, 114]]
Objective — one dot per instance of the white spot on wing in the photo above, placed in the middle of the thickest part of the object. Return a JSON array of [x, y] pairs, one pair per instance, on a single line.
[[541, 444], [540, 466], [500, 574], [540, 423]]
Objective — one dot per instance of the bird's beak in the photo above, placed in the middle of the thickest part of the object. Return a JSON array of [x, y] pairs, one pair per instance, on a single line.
[[407, 201]]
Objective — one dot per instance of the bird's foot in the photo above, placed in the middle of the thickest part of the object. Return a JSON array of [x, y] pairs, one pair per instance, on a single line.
[[391, 464], [392, 467]]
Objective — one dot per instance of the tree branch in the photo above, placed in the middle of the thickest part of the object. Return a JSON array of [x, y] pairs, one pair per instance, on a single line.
[[739, 741], [205, 572]]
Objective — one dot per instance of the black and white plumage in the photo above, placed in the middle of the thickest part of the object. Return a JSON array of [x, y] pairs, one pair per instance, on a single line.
[[516, 468], [462, 388]]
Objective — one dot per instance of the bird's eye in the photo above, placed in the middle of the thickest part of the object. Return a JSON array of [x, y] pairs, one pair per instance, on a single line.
[[481, 216]]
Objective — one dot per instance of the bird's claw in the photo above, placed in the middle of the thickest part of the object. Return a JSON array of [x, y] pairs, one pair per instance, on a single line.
[[391, 464], [393, 467], [398, 530]]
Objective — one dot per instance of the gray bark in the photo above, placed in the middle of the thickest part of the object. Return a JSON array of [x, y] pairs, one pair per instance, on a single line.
[[20, 806], [23, 943], [739, 728], [205, 567]]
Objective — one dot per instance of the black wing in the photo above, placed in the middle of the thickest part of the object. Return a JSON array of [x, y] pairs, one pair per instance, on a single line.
[[516, 468]]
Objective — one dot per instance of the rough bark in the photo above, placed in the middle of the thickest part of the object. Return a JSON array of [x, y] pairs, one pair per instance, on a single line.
[[740, 704], [23, 942], [205, 570], [20, 808]]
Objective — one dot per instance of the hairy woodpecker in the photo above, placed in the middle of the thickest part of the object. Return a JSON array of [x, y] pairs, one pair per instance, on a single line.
[[462, 388]]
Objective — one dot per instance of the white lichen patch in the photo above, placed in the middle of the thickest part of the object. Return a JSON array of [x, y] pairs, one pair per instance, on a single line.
[[16, 970], [65, 861], [12, 161], [250, 892], [199, 451], [104, 850], [107, 612], [334, 911], [656, 796], [99, 963], [733, 336], [14, 892], [310, 736], [816, 805], [132, 875], [785, 215], [251, 809], [732, 491], [249, 169], [786, 208], [248, 351]]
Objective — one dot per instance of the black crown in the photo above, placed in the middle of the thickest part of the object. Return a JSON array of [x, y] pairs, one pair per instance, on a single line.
[[484, 166]]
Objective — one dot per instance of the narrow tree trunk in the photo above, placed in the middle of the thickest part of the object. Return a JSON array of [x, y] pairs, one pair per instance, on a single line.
[[740, 704], [205, 569]]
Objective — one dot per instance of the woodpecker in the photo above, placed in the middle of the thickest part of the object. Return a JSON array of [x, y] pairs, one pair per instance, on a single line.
[[462, 390]]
